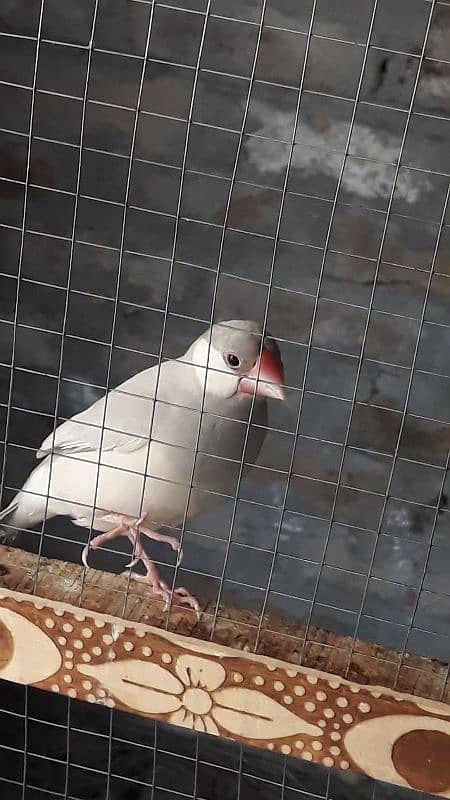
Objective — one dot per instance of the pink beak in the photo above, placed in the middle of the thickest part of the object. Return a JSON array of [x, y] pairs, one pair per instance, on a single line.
[[266, 377]]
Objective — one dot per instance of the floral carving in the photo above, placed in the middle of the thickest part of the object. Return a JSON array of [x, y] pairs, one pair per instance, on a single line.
[[6, 646], [193, 698], [209, 688], [372, 746], [34, 656]]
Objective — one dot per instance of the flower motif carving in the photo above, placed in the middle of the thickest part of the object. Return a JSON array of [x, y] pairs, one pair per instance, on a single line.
[[193, 698], [213, 689], [30, 656], [376, 747]]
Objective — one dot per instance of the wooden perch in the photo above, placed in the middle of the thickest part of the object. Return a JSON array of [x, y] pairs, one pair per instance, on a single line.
[[104, 592], [206, 687]]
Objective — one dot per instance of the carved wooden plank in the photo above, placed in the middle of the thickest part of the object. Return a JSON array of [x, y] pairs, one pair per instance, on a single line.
[[104, 592], [206, 687]]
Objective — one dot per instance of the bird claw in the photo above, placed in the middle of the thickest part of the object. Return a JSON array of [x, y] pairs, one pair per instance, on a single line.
[[187, 598], [137, 522], [184, 598], [132, 563], [161, 589], [136, 560], [84, 558], [84, 555]]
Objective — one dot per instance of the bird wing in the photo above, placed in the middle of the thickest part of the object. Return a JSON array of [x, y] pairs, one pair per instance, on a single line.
[[119, 421], [122, 420], [112, 440], [76, 436]]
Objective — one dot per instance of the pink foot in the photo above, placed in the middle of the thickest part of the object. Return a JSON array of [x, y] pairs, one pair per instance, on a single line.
[[134, 530]]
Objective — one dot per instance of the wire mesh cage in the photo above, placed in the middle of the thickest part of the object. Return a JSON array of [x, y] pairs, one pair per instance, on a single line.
[[168, 167], [52, 746]]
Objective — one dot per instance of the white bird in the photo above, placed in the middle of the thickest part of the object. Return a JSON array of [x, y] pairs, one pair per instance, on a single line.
[[128, 464]]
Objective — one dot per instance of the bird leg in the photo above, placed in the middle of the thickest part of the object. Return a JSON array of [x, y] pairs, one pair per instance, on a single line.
[[152, 578], [134, 529]]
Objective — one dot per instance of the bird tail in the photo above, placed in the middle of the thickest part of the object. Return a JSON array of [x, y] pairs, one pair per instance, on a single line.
[[24, 511], [6, 516], [30, 506]]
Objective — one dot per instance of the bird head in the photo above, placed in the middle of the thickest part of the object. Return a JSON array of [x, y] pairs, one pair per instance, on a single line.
[[240, 361]]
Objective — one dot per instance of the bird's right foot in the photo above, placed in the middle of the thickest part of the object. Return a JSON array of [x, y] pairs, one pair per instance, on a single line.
[[134, 529]]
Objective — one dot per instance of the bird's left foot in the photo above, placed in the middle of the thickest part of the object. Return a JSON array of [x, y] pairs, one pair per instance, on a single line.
[[134, 529], [159, 588]]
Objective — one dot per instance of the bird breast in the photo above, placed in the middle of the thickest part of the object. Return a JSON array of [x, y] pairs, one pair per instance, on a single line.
[[216, 442]]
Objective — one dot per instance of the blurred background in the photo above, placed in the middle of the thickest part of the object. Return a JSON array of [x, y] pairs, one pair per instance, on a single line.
[[167, 165]]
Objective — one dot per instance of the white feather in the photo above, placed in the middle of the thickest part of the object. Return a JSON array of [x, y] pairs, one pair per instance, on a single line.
[[127, 453]]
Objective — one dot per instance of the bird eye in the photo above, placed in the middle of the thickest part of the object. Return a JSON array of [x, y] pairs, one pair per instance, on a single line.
[[232, 360]]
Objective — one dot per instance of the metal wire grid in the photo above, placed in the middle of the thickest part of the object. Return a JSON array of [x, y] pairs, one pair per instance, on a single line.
[[216, 285], [72, 246], [383, 236], [276, 238], [248, 772]]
